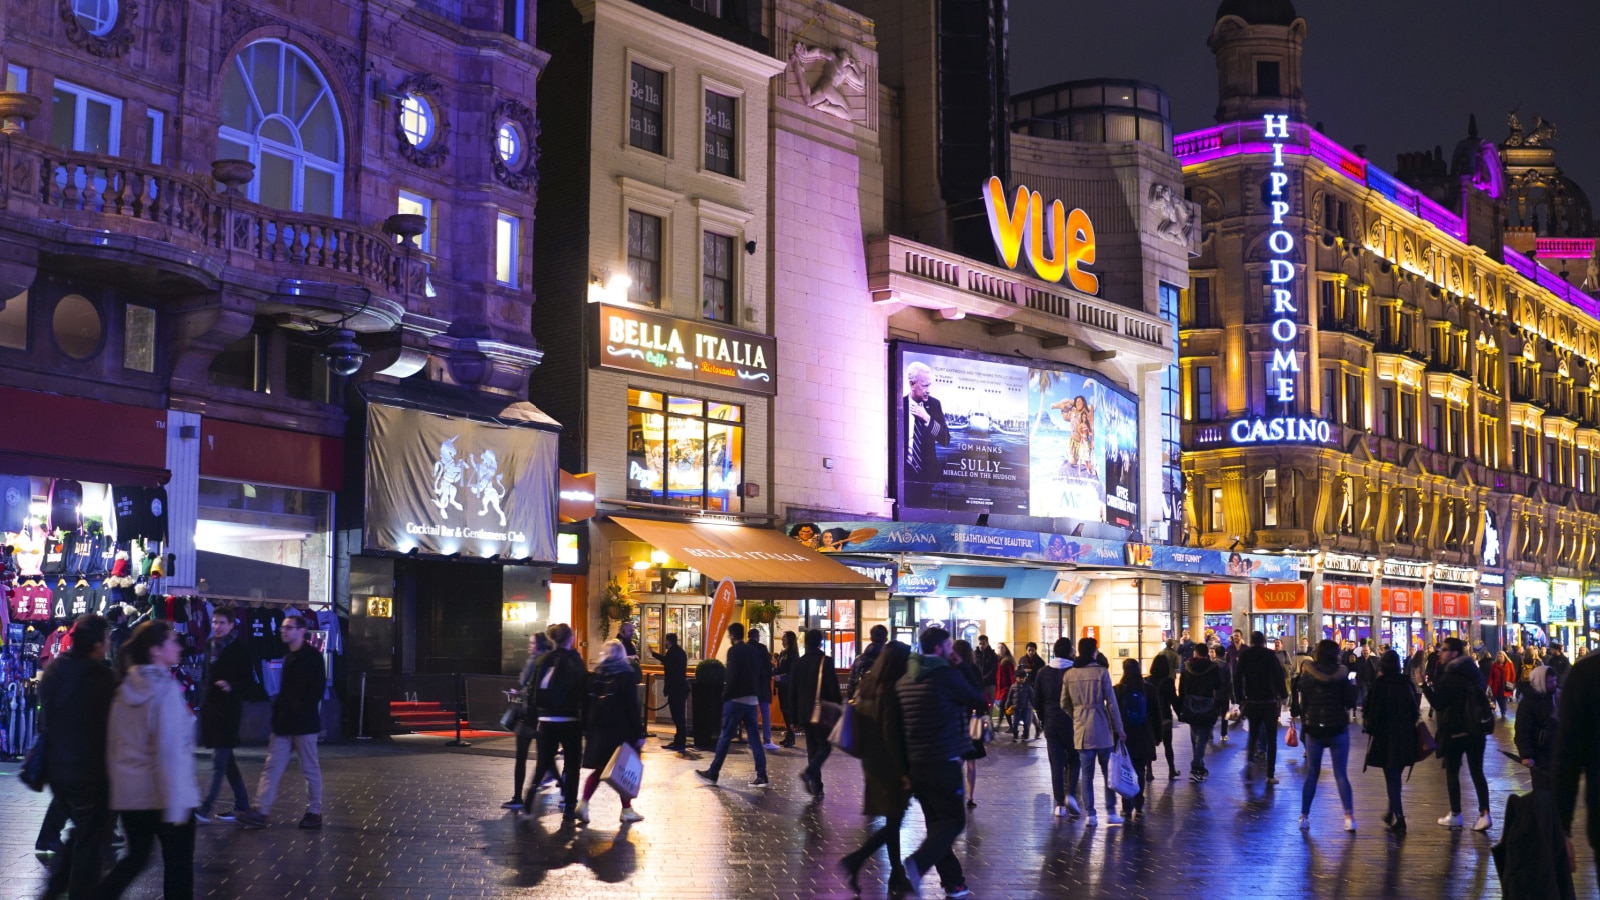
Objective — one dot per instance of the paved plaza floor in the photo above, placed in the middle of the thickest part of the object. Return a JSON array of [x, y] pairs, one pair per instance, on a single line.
[[412, 819]]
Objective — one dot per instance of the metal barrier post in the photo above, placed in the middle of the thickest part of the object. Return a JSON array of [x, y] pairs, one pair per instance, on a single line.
[[461, 688], [361, 721]]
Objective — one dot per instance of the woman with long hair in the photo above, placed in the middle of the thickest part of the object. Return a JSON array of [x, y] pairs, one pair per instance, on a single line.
[[1502, 680], [1392, 713], [1323, 698], [150, 759], [968, 667], [880, 740], [1138, 700], [613, 718], [1005, 674]]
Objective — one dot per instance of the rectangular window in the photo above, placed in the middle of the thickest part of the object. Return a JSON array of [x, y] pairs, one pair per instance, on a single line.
[[1330, 394], [417, 205], [1202, 303], [1435, 427], [1516, 451], [716, 277], [1532, 454], [721, 131], [1353, 412], [139, 339], [646, 102], [1551, 470], [685, 451], [514, 19], [1582, 461], [714, 7], [1203, 409], [1386, 327], [1219, 522], [84, 120], [1405, 330], [1408, 418], [154, 121], [1458, 432], [1267, 78], [1269, 499], [16, 78], [1330, 306], [644, 258], [1386, 411], [507, 253]]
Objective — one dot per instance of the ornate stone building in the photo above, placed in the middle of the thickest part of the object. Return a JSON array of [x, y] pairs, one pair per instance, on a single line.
[[1376, 380]]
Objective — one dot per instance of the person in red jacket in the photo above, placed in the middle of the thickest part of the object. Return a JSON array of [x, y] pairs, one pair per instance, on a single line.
[[1005, 673], [1502, 680]]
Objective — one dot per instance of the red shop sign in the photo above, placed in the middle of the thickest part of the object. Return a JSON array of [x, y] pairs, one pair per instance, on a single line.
[[1402, 601], [1346, 598], [1451, 605], [1219, 598]]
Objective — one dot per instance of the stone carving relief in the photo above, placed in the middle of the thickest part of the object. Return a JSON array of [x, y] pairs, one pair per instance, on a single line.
[[168, 15], [1178, 220], [1542, 135], [114, 43], [239, 19], [823, 76]]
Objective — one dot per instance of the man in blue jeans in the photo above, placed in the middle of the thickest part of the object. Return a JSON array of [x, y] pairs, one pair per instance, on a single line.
[[229, 674], [1198, 689], [740, 696]]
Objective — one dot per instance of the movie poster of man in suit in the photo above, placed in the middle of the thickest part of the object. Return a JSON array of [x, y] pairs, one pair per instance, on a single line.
[[963, 423]]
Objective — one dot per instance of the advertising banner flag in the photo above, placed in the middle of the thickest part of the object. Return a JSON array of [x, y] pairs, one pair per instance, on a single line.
[[722, 603]]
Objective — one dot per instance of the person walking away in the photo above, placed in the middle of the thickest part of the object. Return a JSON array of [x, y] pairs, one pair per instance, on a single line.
[[1502, 680], [1005, 675], [880, 744], [936, 702], [1136, 699], [1198, 690], [150, 761], [1558, 663], [675, 672], [611, 718], [1391, 717], [1323, 699], [764, 684], [75, 695], [814, 681], [527, 727], [1055, 723], [739, 698], [1096, 724], [1536, 727], [782, 671], [296, 722], [965, 664], [1578, 751], [988, 669], [229, 673], [1224, 695], [1019, 701], [1260, 687], [559, 686], [1165, 677], [877, 638], [1461, 699]]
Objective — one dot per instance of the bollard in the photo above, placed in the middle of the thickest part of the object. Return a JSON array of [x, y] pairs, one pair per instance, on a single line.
[[361, 720], [461, 682]]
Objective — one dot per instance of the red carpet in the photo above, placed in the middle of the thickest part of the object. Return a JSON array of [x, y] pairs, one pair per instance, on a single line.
[[465, 734]]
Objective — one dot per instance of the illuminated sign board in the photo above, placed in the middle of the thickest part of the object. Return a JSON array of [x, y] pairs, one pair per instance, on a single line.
[[637, 340], [1283, 371], [1058, 246]]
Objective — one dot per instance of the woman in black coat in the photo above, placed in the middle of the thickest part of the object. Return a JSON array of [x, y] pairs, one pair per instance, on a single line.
[[787, 657], [968, 667], [1536, 726], [1138, 699], [612, 718], [1392, 714], [880, 742]]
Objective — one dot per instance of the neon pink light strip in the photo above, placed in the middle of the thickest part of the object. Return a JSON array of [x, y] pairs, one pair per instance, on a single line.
[[1565, 248]]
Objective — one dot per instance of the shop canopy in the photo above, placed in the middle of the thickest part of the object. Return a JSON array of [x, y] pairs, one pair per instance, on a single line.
[[760, 562]]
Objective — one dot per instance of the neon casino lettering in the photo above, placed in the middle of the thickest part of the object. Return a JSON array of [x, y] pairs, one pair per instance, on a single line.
[[1284, 368]]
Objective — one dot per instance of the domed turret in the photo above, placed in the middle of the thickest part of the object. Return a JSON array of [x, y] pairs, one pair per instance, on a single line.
[[1259, 12], [1257, 44]]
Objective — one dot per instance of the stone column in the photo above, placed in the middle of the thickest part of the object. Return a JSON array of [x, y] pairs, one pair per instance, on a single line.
[[183, 499]]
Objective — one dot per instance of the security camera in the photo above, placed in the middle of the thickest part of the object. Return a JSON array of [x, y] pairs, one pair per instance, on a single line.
[[343, 355]]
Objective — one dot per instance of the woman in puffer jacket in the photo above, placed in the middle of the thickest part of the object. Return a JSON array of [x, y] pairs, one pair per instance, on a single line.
[[150, 758], [1323, 698]]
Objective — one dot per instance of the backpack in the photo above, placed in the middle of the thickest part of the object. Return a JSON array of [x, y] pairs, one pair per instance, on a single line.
[[1197, 706], [1479, 714], [1133, 712]]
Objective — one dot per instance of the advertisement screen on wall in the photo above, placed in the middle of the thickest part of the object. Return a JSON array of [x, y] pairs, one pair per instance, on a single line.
[[441, 485], [978, 433]]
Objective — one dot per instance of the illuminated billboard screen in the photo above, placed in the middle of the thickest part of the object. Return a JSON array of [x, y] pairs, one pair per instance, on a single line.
[[977, 433]]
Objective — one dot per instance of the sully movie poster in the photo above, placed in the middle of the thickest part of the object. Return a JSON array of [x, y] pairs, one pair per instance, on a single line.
[[982, 434]]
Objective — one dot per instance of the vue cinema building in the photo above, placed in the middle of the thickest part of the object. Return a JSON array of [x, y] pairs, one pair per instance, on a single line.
[[1376, 382]]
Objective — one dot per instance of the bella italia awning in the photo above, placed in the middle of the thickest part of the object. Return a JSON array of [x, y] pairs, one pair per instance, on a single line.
[[760, 562]]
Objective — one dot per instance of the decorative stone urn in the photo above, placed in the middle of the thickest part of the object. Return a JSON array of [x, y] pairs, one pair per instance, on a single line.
[[233, 173], [17, 108], [406, 226]]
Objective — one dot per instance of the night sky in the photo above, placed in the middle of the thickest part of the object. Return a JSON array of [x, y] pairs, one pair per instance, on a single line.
[[1396, 75]]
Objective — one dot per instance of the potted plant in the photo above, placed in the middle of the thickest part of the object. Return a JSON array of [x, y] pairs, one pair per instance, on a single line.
[[762, 612], [616, 607]]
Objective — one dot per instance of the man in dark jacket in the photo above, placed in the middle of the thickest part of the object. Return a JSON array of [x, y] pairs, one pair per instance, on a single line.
[[558, 688], [1578, 750], [229, 676], [1055, 723], [74, 704], [1459, 695], [813, 676], [740, 695], [1199, 690], [934, 702], [296, 722], [869, 654], [988, 667], [675, 668], [1558, 662], [1260, 686], [764, 694]]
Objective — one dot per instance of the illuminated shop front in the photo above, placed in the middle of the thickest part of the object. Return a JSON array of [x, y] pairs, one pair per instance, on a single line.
[[1564, 617], [1346, 611], [1217, 599], [1279, 611], [1490, 608], [1530, 598], [1591, 618]]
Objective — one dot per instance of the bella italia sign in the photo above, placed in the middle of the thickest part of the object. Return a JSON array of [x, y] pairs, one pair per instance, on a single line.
[[636, 340]]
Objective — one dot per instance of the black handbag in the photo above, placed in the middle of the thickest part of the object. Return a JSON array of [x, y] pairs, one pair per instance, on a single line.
[[34, 773]]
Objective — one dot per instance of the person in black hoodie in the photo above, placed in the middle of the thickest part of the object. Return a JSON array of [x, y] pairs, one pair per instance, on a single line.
[[1137, 700], [1324, 696], [935, 702], [229, 676], [1199, 692], [787, 657], [74, 705], [1578, 750], [560, 687], [740, 694], [675, 668], [879, 636], [1260, 686], [296, 722], [813, 679], [1055, 723], [1391, 717], [1164, 673], [1536, 726], [1460, 697]]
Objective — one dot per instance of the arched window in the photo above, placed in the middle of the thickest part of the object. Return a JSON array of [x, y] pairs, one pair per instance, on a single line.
[[279, 113]]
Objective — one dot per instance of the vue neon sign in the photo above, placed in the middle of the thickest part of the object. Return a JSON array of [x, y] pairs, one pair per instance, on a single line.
[[1284, 370], [1058, 246]]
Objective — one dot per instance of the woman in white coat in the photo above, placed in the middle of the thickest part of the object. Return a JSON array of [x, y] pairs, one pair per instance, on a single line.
[[150, 758]]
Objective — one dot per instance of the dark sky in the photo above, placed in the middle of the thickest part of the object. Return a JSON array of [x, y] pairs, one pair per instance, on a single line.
[[1396, 75]]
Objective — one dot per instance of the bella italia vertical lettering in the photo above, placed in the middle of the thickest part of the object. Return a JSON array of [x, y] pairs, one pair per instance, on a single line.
[[1283, 370]]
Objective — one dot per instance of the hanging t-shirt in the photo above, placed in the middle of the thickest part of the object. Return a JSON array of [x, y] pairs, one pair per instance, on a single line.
[[16, 493], [66, 505], [100, 600], [54, 562], [127, 503], [41, 602], [20, 601], [83, 552], [59, 600], [82, 594]]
